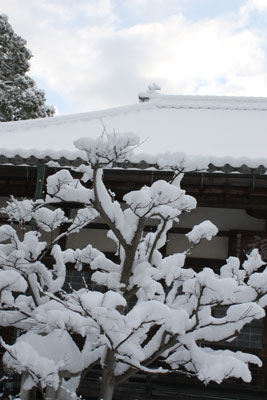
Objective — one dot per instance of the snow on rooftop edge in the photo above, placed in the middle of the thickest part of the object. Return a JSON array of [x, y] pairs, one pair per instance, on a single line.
[[153, 101]]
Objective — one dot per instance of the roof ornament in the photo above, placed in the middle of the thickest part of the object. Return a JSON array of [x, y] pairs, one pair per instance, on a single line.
[[145, 96], [153, 87]]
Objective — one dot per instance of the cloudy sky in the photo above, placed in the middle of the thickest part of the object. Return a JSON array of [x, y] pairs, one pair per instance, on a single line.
[[95, 54]]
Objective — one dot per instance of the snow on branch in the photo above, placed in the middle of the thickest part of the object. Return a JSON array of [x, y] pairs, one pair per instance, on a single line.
[[133, 310], [107, 148]]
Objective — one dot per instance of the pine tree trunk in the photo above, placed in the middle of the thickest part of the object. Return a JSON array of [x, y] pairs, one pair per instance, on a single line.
[[107, 385]]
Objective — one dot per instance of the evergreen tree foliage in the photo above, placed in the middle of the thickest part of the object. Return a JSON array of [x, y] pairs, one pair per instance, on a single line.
[[20, 98]]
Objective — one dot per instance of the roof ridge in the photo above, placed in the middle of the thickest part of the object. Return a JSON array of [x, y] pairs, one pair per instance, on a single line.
[[205, 102]]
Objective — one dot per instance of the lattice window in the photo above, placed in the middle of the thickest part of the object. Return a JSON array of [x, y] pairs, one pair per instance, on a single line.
[[75, 279], [250, 336]]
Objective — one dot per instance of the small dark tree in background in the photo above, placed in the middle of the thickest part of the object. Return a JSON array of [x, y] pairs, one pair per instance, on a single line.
[[20, 98]]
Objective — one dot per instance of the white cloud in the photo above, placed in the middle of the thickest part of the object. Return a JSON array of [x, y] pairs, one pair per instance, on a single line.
[[259, 5], [82, 52], [150, 10], [251, 6], [96, 7]]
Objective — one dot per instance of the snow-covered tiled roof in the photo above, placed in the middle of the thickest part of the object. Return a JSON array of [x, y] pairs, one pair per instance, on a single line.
[[229, 130]]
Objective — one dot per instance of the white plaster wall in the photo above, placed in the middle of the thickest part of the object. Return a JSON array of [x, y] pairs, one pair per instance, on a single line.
[[45, 236], [96, 237], [225, 218], [217, 248]]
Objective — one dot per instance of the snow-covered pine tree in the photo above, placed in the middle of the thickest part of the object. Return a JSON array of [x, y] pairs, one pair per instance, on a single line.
[[20, 98], [147, 311]]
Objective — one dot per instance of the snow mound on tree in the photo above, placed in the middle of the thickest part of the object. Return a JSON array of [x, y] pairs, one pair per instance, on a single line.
[[46, 355]]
